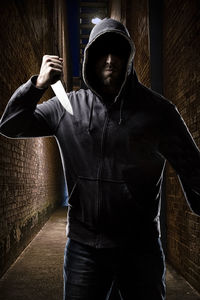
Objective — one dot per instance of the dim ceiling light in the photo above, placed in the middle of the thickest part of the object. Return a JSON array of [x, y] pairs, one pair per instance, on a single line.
[[96, 20]]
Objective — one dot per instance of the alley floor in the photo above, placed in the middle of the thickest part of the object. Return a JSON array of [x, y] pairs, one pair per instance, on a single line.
[[37, 273]]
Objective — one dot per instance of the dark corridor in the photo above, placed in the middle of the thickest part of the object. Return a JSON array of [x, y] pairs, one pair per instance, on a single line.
[[32, 187]]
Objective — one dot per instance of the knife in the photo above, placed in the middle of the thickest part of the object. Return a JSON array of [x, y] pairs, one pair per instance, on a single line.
[[62, 96]]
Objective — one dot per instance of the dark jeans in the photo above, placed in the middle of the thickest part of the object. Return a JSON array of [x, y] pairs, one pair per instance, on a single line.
[[91, 274]]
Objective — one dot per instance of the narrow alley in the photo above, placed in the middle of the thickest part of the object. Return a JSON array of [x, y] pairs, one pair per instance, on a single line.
[[37, 167]]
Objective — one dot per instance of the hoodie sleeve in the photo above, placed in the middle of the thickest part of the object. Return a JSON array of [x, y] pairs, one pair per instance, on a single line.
[[23, 117], [179, 148]]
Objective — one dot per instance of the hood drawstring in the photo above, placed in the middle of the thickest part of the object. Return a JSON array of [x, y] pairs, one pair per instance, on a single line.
[[124, 95], [90, 117], [121, 112]]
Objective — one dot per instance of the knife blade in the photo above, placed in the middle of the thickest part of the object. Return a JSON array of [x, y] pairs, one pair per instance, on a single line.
[[62, 96]]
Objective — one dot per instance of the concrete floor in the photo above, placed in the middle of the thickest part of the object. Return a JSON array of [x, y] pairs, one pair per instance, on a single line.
[[37, 273]]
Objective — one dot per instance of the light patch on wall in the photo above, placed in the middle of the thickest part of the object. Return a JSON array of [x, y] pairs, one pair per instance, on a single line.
[[95, 20]]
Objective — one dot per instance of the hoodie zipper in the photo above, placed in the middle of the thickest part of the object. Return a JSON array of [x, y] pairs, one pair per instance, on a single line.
[[99, 191]]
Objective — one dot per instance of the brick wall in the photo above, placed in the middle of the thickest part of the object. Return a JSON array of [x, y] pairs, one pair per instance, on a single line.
[[137, 22], [31, 180], [181, 86]]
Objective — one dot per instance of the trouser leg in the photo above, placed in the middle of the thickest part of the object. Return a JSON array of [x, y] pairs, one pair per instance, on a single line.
[[86, 276], [141, 275]]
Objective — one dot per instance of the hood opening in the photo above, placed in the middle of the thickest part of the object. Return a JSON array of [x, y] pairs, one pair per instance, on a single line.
[[113, 42]]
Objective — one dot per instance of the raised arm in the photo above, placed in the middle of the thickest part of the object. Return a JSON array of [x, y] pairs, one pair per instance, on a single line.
[[22, 116], [179, 148]]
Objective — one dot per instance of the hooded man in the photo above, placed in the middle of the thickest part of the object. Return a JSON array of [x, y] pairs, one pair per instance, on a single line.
[[114, 148]]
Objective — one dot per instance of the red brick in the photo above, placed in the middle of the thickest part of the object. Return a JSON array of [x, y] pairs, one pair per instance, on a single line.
[[181, 77], [31, 179]]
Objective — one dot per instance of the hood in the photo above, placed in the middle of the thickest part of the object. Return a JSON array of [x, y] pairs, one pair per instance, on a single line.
[[112, 34]]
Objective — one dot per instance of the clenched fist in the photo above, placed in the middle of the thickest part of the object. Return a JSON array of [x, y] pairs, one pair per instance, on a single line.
[[50, 71]]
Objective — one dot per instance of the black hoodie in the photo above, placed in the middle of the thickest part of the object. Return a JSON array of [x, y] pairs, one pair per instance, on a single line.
[[113, 155]]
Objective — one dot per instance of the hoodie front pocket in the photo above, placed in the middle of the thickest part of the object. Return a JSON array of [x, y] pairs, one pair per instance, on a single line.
[[117, 206], [102, 204], [116, 197]]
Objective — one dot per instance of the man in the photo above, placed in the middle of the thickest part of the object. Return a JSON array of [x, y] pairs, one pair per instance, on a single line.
[[113, 149]]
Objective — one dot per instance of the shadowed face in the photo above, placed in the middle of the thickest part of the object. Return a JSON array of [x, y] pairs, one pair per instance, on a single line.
[[110, 70]]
